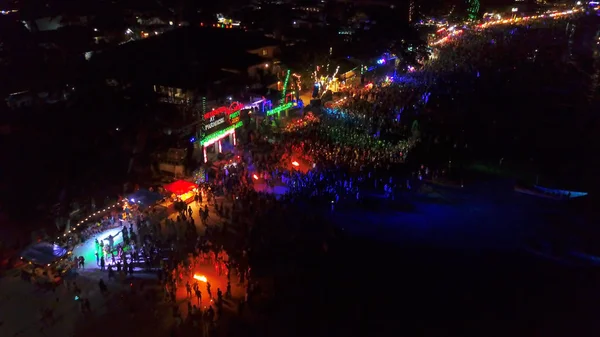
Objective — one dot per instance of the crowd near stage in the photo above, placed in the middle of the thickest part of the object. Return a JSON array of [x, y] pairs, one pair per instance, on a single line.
[[91, 254]]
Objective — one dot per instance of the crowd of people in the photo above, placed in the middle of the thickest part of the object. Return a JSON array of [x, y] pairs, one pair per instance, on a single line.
[[496, 46], [339, 163], [351, 151]]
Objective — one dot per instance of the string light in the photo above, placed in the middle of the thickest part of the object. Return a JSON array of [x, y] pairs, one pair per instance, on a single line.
[[280, 108], [285, 83], [336, 71], [524, 19], [88, 218]]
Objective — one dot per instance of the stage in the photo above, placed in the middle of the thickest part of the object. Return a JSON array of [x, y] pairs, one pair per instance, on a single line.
[[88, 248]]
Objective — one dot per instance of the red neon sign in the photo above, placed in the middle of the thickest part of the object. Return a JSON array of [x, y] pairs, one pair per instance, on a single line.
[[235, 106], [217, 111]]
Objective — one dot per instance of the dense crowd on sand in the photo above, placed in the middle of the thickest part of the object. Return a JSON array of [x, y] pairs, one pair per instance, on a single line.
[[350, 151], [496, 47]]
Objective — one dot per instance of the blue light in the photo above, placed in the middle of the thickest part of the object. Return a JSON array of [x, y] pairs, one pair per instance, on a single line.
[[268, 104], [193, 139], [381, 61]]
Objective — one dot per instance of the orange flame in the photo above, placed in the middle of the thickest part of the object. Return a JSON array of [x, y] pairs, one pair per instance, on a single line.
[[201, 278]]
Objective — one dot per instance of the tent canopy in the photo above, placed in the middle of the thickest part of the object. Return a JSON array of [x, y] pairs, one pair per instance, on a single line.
[[180, 187], [144, 197], [43, 253]]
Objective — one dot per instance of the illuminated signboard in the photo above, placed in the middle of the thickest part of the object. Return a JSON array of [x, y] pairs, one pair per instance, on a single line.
[[214, 122], [234, 117], [235, 106], [280, 108], [215, 137], [215, 112], [223, 115]]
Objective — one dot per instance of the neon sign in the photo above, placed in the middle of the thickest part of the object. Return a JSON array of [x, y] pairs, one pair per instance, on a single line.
[[234, 115], [215, 137], [279, 108], [214, 123], [235, 106]]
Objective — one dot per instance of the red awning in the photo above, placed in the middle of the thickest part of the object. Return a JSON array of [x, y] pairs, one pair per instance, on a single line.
[[180, 187]]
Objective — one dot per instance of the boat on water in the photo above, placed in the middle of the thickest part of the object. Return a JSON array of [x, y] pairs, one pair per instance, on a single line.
[[550, 193]]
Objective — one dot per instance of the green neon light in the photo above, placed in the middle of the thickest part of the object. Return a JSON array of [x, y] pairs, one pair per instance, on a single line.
[[215, 136], [473, 9], [280, 108], [234, 115], [285, 84]]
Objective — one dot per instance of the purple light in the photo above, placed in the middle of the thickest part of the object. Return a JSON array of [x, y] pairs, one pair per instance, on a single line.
[[381, 61]]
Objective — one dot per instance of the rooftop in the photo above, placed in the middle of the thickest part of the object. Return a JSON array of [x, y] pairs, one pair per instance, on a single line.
[[222, 38], [188, 55]]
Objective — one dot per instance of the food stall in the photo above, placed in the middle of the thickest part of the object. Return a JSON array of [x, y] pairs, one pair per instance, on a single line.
[[180, 191]]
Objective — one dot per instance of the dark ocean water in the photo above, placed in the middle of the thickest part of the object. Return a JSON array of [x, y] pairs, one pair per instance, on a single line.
[[456, 263]]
